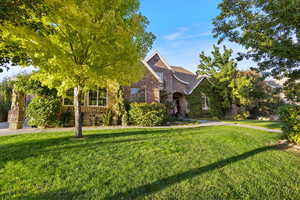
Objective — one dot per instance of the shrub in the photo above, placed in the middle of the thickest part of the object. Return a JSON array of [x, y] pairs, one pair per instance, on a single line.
[[42, 111], [145, 114], [290, 115], [65, 119], [107, 117], [243, 115]]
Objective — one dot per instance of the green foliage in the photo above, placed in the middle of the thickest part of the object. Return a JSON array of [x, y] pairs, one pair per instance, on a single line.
[[290, 115], [292, 91], [119, 106], [5, 99], [28, 85], [242, 115], [42, 111], [107, 117], [64, 119], [16, 13], [196, 101], [229, 85], [247, 90], [90, 43], [146, 114], [269, 30]]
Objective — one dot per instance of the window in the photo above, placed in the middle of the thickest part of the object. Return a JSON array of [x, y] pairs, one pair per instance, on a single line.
[[98, 97], [102, 97], [93, 96], [205, 102], [137, 95], [69, 99], [161, 75]]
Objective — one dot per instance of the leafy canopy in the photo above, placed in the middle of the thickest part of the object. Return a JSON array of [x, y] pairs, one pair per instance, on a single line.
[[269, 30], [245, 89], [16, 13], [86, 43]]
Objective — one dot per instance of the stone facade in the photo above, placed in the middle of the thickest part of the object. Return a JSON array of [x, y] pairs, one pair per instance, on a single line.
[[16, 115]]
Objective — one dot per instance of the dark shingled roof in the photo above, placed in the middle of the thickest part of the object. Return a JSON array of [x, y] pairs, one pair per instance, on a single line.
[[182, 70], [187, 80]]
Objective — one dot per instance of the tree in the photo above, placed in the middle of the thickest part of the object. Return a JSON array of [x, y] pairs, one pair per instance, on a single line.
[[269, 30], [90, 43], [238, 92], [292, 91], [16, 13], [222, 70]]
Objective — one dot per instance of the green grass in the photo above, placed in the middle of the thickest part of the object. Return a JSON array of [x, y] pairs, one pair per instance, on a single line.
[[265, 124], [199, 163]]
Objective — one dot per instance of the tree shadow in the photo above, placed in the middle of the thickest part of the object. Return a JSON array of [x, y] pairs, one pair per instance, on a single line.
[[22, 150], [140, 132], [161, 184], [35, 149], [50, 195]]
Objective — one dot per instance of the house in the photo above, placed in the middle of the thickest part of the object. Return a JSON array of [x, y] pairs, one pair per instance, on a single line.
[[184, 92]]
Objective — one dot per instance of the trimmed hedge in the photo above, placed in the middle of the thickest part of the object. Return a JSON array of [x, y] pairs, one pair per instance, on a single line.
[[147, 114], [290, 115]]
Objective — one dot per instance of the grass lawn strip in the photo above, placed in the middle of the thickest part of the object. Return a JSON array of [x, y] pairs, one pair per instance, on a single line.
[[198, 163]]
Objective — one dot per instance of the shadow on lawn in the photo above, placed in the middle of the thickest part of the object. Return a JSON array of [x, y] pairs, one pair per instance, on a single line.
[[52, 195], [161, 184], [22, 150]]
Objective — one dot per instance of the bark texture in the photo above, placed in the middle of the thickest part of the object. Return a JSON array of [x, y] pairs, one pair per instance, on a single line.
[[77, 110]]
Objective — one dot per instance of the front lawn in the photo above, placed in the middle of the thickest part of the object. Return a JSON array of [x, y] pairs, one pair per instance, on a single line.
[[199, 163], [265, 124]]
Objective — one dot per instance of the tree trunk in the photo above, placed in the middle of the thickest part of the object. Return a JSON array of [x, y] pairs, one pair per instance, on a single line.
[[77, 110]]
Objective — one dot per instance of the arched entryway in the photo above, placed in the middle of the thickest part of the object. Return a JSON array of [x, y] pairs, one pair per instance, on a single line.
[[180, 104]]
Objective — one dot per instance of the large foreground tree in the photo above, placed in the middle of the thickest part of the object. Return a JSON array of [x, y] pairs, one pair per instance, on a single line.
[[90, 43], [269, 30], [16, 13]]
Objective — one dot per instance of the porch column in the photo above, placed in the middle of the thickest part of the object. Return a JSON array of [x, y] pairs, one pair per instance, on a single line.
[[16, 115]]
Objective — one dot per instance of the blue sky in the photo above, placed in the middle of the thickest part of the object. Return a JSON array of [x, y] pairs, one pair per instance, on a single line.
[[183, 30]]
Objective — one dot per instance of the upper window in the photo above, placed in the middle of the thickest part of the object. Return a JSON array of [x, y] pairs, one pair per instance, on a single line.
[[160, 75], [98, 97], [137, 95]]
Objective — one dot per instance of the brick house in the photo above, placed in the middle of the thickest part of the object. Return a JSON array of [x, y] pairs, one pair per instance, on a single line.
[[161, 83], [183, 90]]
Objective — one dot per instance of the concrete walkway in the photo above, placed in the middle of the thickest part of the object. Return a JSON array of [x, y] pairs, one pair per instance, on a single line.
[[7, 132]]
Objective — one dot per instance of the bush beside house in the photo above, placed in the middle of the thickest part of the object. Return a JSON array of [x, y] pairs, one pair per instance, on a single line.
[[42, 111], [147, 114], [290, 115]]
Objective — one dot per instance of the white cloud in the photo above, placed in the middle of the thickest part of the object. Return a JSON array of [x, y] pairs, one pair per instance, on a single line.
[[181, 34], [173, 36]]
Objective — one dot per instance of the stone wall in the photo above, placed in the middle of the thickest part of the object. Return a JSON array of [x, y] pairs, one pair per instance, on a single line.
[[16, 115]]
